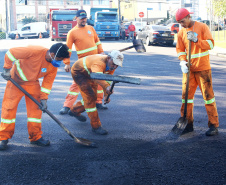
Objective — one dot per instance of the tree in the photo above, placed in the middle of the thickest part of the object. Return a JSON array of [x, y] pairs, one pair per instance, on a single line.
[[219, 7], [27, 20]]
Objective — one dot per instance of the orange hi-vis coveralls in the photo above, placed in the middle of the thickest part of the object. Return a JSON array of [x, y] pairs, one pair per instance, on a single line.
[[80, 72], [29, 65], [200, 71], [86, 43]]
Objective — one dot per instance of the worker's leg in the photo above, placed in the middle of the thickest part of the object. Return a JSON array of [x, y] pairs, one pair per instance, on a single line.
[[10, 102], [205, 84], [100, 94], [34, 114], [72, 95], [191, 92]]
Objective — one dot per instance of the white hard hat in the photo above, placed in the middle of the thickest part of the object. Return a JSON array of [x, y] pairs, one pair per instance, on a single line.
[[117, 57]]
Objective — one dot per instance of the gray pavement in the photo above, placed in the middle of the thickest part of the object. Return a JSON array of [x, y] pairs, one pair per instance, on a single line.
[[139, 148]]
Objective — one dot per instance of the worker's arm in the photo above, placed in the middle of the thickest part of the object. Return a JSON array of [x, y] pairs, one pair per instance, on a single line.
[[69, 42], [207, 42], [180, 47], [47, 83], [98, 43], [14, 54]]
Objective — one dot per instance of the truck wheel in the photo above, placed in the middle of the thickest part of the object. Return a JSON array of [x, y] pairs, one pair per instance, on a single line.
[[116, 38], [52, 39]]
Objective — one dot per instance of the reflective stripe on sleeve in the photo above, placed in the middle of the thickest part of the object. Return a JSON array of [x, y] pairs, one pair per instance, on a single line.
[[82, 102], [69, 50], [98, 43], [35, 120], [87, 50], [209, 101], [91, 109], [17, 63], [47, 91], [210, 43], [20, 71], [188, 101], [73, 93], [181, 53], [11, 57], [109, 82], [84, 65], [100, 91], [8, 121]]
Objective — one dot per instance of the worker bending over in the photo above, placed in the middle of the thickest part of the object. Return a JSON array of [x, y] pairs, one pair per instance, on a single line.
[[30, 64], [88, 88], [86, 42]]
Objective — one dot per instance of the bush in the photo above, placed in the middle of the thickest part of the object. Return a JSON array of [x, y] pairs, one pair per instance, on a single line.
[[2, 35]]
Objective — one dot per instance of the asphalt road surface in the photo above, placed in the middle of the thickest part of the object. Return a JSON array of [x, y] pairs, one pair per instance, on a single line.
[[138, 149]]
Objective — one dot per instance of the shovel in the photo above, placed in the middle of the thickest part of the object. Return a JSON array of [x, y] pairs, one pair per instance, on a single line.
[[182, 122], [115, 79], [137, 44], [78, 140]]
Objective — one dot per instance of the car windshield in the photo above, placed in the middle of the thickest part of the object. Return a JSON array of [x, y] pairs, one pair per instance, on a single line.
[[103, 17], [63, 17]]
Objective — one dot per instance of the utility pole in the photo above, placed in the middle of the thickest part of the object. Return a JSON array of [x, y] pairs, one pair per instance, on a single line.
[[6, 14], [119, 11]]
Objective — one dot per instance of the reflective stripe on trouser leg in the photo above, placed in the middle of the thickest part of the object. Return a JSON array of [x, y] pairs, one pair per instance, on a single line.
[[88, 90], [11, 99], [100, 94], [191, 92], [205, 84], [72, 95], [34, 114]]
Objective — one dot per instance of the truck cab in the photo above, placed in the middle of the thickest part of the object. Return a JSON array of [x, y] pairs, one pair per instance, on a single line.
[[105, 22]]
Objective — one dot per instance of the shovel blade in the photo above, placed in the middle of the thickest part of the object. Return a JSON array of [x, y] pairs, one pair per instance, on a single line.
[[85, 142], [139, 46], [180, 126]]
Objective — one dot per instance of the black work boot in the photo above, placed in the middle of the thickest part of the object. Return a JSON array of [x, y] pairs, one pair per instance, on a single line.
[[100, 130], [80, 118], [41, 142], [3, 144], [212, 131], [188, 128], [100, 106], [64, 110]]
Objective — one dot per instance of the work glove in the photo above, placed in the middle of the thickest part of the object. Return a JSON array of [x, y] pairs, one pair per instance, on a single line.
[[6, 74], [44, 105], [184, 67], [191, 36]]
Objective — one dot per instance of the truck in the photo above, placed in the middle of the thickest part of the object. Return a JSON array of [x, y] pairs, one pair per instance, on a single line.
[[61, 21], [105, 21], [30, 30]]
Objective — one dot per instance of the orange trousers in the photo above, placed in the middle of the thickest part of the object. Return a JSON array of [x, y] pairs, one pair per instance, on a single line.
[[203, 79], [88, 90], [74, 92], [10, 103]]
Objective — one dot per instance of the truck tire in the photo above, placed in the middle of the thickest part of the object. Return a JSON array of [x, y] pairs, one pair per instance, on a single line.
[[52, 39], [116, 38]]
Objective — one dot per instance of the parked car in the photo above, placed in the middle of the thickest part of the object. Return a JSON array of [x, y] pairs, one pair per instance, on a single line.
[[155, 34], [207, 22], [31, 30], [139, 25], [174, 27]]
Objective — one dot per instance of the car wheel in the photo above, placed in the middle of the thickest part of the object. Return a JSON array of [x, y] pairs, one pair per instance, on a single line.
[[148, 41]]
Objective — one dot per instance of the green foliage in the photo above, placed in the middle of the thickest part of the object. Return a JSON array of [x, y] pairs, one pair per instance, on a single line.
[[2, 35], [27, 20], [219, 7]]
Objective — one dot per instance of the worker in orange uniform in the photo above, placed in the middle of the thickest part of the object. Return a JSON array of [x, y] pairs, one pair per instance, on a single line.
[[200, 70], [86, 42], [30, 64], [81, 74]]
